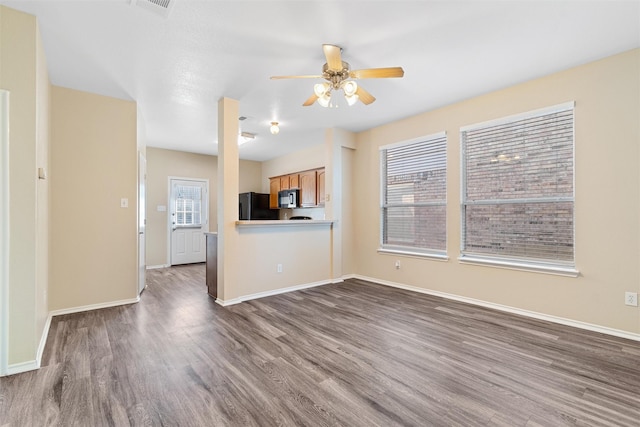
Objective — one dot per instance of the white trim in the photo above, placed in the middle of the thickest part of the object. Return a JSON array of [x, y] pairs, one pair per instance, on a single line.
[[19, 368], [520, 266], [43, 340], [4, 232], [264, 294], [35, 364], [153, 267], [509, 309], [424, 138], [32, 365], [416, 254], [525, 115], [93, 306]]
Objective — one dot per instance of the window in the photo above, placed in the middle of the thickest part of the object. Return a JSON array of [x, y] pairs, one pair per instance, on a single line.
[[188, 205], [414, 203], [518, 195]]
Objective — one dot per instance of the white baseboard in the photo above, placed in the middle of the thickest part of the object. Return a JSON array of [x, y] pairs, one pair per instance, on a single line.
[[35, 364], [154, 267], [31, 365], [244, 298], [94, 306], [43, 339], [19, 368], [508, 309]]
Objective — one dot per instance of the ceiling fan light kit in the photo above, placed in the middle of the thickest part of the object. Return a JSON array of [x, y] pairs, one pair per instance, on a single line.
[[336, 72]]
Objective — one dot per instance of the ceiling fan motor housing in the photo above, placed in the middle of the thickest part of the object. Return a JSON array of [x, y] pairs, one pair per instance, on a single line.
[[336, 77]]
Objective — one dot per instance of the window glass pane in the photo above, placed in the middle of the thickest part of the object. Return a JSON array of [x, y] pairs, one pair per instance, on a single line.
[[518, 188], [414, 195], [188, 205], [420, 227], [541, 231]]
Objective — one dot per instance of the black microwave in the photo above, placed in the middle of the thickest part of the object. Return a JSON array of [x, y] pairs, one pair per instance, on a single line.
[[288, 198]]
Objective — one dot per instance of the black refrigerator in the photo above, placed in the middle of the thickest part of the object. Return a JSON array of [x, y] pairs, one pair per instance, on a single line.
[[256, 206]]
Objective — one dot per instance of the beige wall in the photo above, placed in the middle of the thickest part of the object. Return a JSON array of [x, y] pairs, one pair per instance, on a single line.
[[305, 159], [308, 158], [348, 221], [93, 166], [161, 164], [303, 251], [23, 72], [43, 99], [607, 206]]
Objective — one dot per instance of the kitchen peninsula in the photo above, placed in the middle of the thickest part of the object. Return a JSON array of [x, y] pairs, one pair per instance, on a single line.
[[277, 256], [284, 223]]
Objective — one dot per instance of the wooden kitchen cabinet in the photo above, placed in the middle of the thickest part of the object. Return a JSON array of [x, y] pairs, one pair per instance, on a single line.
[[310, 183], [294, 180], [308, 189], [284, 182], [288, 182], [274, 187], [320, 187]]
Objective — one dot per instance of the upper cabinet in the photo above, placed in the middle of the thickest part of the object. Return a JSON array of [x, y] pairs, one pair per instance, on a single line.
[[274, 187], [308, 189], [284, 182], [311, 190], [320, 187]]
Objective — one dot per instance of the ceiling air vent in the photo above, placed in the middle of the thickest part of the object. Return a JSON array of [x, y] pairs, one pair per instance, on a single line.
[[160, 7]]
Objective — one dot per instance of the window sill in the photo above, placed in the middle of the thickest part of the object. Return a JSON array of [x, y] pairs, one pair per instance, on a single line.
[[521, 266], [434, 256]]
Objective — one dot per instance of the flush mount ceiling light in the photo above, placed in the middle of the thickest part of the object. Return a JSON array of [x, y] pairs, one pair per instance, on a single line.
[[275, 128], [337, 72]]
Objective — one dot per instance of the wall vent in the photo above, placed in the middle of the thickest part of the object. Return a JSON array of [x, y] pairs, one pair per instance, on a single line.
[[160, 7]]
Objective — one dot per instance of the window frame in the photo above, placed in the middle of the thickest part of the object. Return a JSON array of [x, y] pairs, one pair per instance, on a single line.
[[558, 267], [437, 254]]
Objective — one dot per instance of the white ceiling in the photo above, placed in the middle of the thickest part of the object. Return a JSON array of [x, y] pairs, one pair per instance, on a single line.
[[177, 68]]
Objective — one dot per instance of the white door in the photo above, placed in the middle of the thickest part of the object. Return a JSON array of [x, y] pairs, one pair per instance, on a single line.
[[189, 202], [142, 222]]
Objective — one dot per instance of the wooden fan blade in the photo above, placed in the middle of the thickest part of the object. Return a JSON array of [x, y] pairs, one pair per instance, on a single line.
[[334, 59], [364, 96], [295, 77], [313, 98], [377, 73]]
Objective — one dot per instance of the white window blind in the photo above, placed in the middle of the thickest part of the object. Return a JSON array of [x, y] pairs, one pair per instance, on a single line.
[[518, 188], [414, 185], [188, 205]]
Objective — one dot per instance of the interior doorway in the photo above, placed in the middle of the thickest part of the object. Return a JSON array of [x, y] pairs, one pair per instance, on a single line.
[[188, 220]]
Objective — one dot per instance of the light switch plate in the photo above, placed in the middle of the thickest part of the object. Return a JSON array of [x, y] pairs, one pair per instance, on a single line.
[[124, 203], [162, 208]]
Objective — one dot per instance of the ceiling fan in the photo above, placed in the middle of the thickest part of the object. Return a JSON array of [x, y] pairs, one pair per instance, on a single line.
[[337, 73]]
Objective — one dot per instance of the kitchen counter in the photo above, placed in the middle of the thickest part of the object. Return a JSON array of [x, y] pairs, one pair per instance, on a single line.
[[285, 223]]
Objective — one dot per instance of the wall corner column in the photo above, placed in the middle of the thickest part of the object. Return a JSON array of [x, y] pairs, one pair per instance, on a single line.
[[335, 140], [228, 189]]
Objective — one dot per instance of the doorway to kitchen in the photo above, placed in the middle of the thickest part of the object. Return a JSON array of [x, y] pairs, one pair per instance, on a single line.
[[188, 220]]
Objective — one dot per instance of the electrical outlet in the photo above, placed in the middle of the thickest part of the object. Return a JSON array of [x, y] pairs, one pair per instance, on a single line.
[[631, 298], [279, 268], [397, 265]]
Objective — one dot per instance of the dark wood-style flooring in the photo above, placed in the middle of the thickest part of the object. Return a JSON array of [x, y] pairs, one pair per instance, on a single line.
[[351, 354]]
